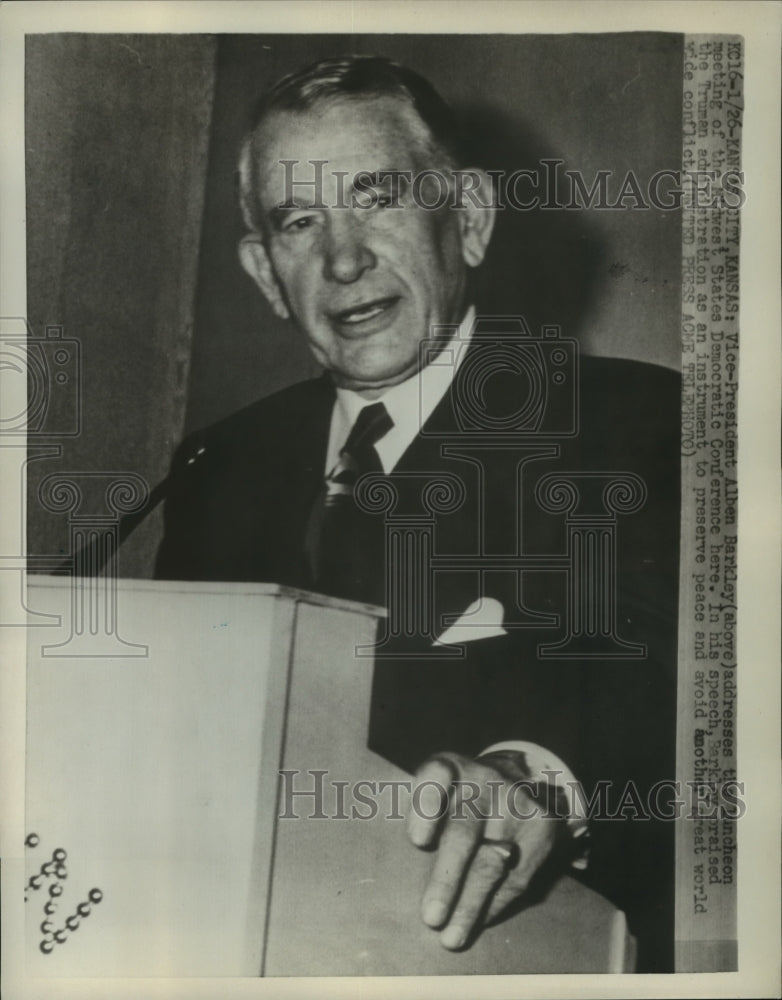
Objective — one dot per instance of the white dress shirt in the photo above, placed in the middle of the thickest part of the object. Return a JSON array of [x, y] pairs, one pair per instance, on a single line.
[[409, 404]]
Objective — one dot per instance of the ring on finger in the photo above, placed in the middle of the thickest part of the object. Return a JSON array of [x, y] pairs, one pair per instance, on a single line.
[[508, 850]]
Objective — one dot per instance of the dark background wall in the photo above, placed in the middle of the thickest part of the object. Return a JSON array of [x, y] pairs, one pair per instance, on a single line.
[[133, 224]]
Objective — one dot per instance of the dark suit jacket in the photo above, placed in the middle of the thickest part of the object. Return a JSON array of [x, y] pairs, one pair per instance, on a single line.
[[242, 492]]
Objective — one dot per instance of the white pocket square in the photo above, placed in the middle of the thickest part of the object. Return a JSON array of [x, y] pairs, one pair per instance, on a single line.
[[481, 620]]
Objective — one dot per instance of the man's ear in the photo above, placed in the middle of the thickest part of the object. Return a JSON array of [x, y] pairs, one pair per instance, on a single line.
[[476, 221], [255, 261]]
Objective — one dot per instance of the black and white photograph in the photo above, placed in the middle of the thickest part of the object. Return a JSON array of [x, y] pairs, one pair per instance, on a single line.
[[390, 590]]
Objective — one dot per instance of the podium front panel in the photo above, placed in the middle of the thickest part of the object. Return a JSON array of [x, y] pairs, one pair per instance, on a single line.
[[146, 771]]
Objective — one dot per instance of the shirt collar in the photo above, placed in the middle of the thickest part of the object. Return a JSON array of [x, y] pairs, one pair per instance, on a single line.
[[409, 404]]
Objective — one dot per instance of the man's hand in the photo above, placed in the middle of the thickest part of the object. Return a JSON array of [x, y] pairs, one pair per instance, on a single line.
[[492, 839]]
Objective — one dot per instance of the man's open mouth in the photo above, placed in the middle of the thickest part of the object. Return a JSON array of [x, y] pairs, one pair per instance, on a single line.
[[365, 311]]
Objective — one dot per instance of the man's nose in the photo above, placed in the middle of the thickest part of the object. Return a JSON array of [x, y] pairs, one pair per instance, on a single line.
[[347, 255]]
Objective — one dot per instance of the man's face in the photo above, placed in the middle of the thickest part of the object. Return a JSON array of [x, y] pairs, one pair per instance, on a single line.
[[365, 284]]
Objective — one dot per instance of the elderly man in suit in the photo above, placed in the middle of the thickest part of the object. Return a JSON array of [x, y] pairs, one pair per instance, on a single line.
[[362, 232]]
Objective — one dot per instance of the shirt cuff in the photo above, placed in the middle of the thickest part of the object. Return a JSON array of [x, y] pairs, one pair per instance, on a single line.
[[545, 766]]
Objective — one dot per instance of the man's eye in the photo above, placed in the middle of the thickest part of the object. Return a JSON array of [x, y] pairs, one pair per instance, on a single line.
[[381, 200], [299, 223], [370, 198]]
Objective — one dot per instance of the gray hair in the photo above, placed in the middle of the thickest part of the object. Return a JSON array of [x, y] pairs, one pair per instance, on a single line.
[[342, 79]]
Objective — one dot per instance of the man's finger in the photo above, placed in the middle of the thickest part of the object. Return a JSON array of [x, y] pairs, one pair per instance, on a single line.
[[430, 798], [488, 868], [515, 886], [534, 850], [458, 844]]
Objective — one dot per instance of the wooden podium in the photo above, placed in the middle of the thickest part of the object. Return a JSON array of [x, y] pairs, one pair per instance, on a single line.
[[160, 720]]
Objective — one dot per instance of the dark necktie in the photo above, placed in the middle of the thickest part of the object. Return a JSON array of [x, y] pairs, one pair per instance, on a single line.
[[345, 544]]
